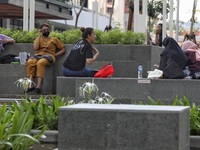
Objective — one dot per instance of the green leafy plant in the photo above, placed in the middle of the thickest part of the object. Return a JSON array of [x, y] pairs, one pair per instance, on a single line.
[[194, 120], [130, 37], [114, 36], [111, 37], [98, 36], [45, 110], [57, 35], [153, 102], [15, 127], [24, 36], [71, 36]]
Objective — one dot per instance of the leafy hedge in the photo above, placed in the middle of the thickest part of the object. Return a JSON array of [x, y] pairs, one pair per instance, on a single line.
[[70, 36], [194, 112]]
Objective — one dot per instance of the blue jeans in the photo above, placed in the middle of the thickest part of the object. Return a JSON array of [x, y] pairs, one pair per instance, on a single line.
[[86, 72]]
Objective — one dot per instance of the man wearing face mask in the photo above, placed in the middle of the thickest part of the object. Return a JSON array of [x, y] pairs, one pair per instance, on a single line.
[[45, 55]]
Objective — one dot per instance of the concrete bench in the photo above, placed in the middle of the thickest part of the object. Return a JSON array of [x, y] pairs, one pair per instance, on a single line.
[[125, 59], [133, 90], [123, 127]]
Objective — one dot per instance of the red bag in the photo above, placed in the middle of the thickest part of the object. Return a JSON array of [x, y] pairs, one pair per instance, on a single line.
[[105, 72]]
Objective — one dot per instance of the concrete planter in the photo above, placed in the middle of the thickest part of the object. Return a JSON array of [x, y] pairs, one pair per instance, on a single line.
[[194, 142], [51, 141]]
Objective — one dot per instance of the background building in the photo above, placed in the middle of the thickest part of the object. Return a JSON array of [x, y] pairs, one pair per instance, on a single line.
[[120, 12], [60, 14]]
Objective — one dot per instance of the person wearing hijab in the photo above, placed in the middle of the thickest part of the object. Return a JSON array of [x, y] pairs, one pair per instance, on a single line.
[[173, 60], [81, 53], [193, 55]]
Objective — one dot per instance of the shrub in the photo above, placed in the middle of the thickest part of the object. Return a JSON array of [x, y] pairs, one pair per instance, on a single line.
[[24, 36], [130, 37], [98, 36], [111, 37], [71, 36], [45, 110], [114, 36], [15, 127]]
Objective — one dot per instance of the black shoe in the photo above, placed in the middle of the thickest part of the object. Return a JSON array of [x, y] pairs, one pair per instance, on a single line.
[[30, 89], [37, 90]]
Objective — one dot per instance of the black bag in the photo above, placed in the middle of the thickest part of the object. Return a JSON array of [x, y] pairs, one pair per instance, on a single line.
[[7, 59]]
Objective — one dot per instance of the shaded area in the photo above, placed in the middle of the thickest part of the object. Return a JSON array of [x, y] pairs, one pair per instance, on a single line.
[[44, 9]]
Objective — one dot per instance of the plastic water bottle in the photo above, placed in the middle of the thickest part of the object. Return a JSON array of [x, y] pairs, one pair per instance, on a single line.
[[140, 71]]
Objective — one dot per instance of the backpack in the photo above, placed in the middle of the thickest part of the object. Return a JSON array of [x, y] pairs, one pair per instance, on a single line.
[[7, 59], [106, 71]]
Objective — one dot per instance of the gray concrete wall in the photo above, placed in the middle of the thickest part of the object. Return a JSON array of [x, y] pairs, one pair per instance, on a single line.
[[125, 59], [123, 127], [133, 90]]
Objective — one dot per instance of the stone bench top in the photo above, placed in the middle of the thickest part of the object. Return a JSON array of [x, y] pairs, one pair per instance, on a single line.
[[143, 80], [120, 107]]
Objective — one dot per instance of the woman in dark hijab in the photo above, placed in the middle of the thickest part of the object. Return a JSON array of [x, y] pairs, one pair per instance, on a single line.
[[173, 60]]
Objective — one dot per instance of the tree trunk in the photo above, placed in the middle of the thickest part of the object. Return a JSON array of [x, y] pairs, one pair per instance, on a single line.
[[77, 14], [193, 16], [113, 3], [130, 16]]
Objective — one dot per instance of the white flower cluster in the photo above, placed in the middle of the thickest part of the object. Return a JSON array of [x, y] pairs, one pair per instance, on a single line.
[[24, 82], [86, 90]]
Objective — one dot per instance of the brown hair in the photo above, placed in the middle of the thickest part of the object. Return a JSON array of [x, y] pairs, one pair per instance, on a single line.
[[45, 25]]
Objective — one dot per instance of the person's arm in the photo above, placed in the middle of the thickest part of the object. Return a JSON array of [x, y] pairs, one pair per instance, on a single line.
[[96, 54], [156, 39], [11, 40], [6, 39], [62, 51], [36, 44]]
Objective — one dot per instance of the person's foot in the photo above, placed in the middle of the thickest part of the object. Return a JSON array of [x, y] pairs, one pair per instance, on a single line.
[[30, 89], [38, 90]]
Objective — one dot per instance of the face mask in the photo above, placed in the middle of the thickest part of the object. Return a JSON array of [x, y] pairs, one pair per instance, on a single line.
[[46, 33]]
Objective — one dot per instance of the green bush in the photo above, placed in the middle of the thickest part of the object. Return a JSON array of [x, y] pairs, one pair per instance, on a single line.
[[15, 127], [111, 37], [130, 37], [71, 36], [114, 36], [98, 36], [45, 110]]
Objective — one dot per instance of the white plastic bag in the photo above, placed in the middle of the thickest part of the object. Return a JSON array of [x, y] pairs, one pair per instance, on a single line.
[[155, 74]]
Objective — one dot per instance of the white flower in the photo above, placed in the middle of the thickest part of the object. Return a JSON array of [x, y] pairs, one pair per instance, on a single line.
[[24, 82], [87, 88], [92, 101], [99, 99], [104, 98]]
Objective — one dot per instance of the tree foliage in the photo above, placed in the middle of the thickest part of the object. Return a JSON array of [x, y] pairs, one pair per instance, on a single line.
[[155, 8]]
